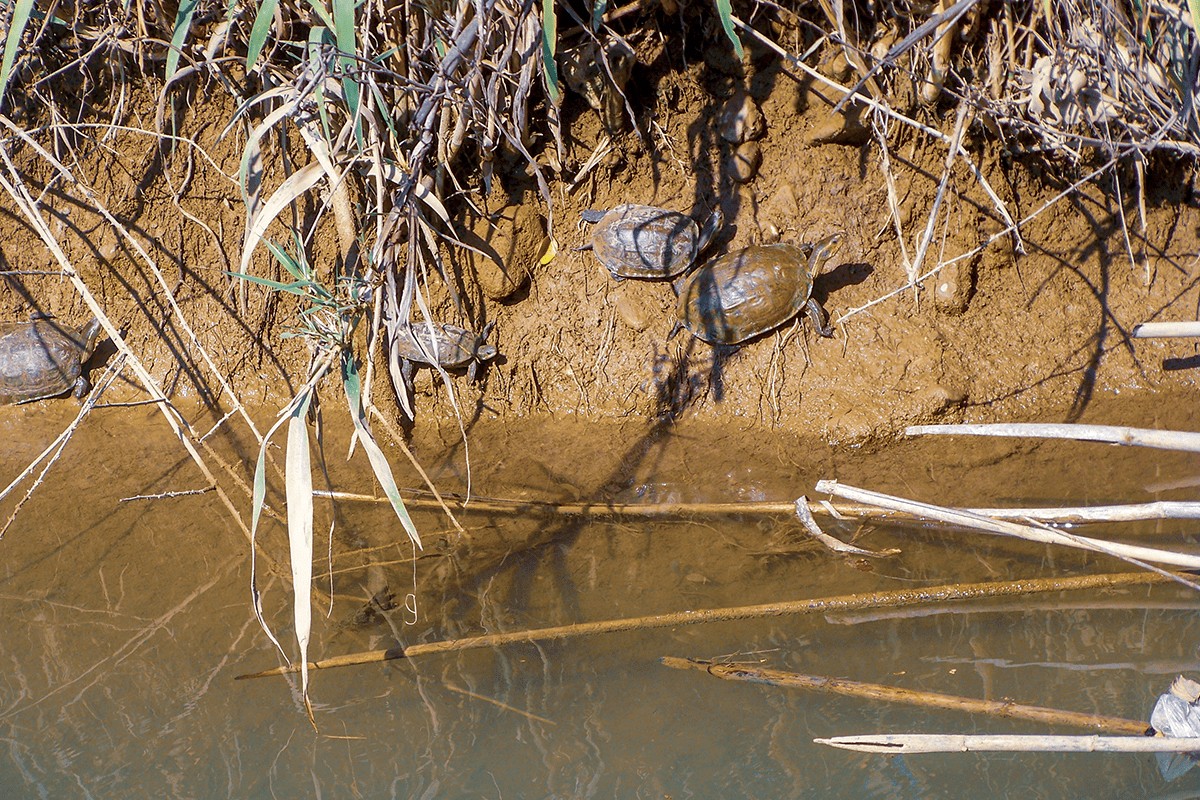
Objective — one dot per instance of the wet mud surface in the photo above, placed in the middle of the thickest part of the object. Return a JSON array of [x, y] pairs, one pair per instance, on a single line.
[[1035, 327]]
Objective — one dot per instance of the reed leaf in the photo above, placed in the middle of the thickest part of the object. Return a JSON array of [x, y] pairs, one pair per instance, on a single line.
[[725, 12], [549, 42], [379, 462], [296, 184], [12, 41], [183, 24], [260, 31], [257, 502], [347, 44], [298, 485]]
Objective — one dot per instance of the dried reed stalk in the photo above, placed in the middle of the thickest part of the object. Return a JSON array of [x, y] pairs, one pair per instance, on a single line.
[[1185, 441], [897, 598], [894, 694], [1044, 535], [908, 743], [1163, 509]]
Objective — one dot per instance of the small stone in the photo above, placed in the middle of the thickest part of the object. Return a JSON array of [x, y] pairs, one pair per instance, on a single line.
[[954, 287], [635, 305], [744, 162], [845, 127], [741, 120]]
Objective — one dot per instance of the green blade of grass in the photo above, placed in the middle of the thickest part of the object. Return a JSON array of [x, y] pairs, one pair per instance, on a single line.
[[310, 290], [260, 31], [598, 14], [549, 42], [725, 11], [347, 44], [12, 41], [183, 23], [379, 463]]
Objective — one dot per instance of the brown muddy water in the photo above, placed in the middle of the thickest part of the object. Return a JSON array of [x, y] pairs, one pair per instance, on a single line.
[[123, 623]]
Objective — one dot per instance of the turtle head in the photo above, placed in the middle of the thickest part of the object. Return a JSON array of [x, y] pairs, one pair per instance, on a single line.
[[91, 335], [483, 350], [822, 251], [712, 226]]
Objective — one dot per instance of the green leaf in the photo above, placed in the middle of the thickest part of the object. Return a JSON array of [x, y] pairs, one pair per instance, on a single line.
[[287, 262], [12, 42], [183, 23], [725, 11], [549, 42], [347, 43], [379, 463], [260, 31], [1194, 9], [598, 14]]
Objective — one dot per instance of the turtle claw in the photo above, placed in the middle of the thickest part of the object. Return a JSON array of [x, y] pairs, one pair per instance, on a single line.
[[818, 318]]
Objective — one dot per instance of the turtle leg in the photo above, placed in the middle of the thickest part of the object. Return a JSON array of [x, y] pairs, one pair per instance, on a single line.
[[81, 389], [818, 317], [407, 369]]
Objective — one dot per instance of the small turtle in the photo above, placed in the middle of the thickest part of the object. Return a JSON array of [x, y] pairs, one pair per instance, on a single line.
[[747, 293], [450, 347], [44, 358], [635, 241]]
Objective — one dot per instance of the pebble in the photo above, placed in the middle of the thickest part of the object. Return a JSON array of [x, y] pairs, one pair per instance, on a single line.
[[741, 120], [954, 287], [745, 161]]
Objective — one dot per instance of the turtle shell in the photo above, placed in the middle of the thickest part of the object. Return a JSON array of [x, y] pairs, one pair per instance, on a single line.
[[450, 346], [635, 241], [43, 358], [746, 293]]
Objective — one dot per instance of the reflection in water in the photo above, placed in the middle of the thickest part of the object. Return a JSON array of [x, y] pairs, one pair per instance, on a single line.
[[124, 623]]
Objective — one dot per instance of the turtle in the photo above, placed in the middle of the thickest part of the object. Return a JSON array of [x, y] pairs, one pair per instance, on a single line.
[[450, 347], [749, 292], [636, 241], [44, 358]]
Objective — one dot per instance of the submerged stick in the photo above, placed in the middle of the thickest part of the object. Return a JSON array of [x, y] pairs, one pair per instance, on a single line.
[[1163, 509], [851, 602], [906, 743], [894, 694], [1043, 535], [1108, 434]]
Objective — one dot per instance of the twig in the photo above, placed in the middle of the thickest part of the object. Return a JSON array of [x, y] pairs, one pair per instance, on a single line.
[[1185, 441], [836, 545], [1043, 535], [896, 598], [906, 743], [894, 694]]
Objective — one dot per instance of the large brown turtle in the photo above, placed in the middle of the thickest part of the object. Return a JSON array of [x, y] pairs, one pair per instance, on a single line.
[[635, 241], [44, 358], [747, 293]]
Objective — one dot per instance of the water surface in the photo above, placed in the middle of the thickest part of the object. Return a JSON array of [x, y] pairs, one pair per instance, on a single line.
[[123, 624]]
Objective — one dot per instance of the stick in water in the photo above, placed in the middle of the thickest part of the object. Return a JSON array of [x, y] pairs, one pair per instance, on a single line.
[[894, 694], [851, 602], [906, 743]]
